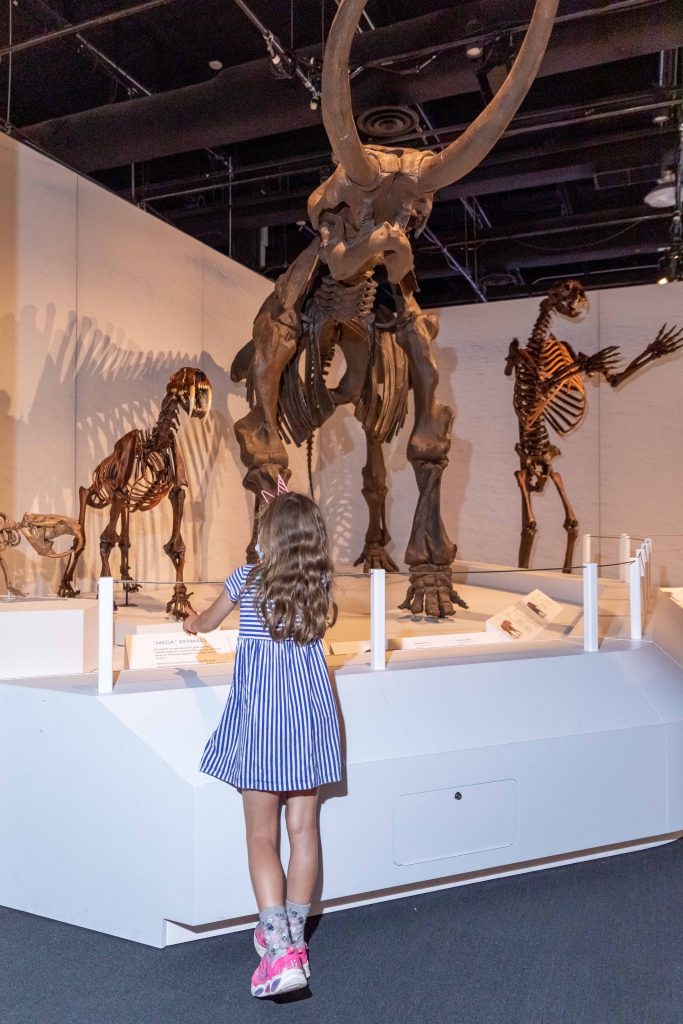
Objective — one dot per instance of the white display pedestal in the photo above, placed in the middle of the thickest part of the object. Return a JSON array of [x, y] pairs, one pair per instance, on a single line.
[[558, 756], [47, 638]]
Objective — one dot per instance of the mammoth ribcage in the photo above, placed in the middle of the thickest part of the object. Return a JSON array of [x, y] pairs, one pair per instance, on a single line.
[[563, 405], [342, 310], [150, 481]]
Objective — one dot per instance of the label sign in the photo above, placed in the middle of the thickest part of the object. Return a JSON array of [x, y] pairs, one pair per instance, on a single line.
[[177, 650], [526, 619]]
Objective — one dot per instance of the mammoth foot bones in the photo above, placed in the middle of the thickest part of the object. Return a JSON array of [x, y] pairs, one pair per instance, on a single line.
[[431, 591]]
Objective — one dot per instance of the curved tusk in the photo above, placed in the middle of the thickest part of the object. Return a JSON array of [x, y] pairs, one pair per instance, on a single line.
[[335, 98], [191, 393], [209, 399], [478, 140]]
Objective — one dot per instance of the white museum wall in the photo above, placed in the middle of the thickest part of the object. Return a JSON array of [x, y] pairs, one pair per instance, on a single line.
[[622, 467], [38, 274], [100, 302]]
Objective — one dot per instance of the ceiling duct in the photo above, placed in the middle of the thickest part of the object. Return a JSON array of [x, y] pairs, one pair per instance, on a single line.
[[389, 122]]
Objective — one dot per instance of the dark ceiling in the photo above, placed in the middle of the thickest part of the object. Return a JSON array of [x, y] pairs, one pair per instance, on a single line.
[[230, 156]]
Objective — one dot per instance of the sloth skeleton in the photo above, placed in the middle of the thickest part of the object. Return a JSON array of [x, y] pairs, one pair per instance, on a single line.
[[550, 392], [41, 530], [145, 467], [363, 215]]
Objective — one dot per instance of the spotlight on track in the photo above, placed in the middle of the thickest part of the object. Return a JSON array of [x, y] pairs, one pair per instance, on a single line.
[[666, 270], [670, 267], [474, 49], [664, 194]]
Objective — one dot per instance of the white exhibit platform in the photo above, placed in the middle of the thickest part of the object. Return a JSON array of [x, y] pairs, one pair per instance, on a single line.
[[503, 758], [44, 637]]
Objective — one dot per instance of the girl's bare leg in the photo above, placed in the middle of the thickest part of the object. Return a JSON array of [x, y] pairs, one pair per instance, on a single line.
[[261, 816], [301, 817]]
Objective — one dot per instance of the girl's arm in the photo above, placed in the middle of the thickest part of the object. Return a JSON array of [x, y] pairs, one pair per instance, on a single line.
[[212, 617]]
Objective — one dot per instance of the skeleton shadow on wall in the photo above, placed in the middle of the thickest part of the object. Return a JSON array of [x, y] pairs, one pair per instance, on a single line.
[[109, 389], [46, 475]]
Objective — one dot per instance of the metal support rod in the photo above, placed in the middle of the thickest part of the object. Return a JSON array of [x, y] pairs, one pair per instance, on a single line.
[[635, 599], [624, 555], [454, 264], [82, 26], [105, 634], [378, 641], [590, 607]]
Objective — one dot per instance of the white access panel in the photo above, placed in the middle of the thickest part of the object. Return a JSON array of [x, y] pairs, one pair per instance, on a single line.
[[450, 822]]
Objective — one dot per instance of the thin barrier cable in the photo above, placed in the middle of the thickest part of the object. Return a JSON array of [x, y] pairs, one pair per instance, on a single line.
[[609, 536], [366, 576]]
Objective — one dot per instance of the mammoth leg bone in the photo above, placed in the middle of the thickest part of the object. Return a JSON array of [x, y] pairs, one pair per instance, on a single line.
[[430, 551], [529, 525], [374, 554], [570, 524], [66, 585], [261, 448], [179, 606]]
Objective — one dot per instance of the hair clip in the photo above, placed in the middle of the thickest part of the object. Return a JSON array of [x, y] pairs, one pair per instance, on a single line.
[[282, 488]]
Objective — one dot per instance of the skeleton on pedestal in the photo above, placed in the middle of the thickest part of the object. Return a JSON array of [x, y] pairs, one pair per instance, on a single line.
[[364, 215], [145, 467], [550, 392]]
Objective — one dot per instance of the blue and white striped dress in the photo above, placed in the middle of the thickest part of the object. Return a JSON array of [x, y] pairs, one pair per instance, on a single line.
[[279, 730]]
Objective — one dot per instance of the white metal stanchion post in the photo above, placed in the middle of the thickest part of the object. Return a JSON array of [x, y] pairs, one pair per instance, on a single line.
[[377, 619], [590, 606], [586, 547], [635, 598], [624, 555], [105, 634]]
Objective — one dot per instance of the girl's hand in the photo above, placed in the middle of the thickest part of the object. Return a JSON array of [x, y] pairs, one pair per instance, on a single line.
[[190, 624]]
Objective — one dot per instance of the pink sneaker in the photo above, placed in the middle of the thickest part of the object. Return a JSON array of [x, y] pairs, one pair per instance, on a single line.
[[302, 950], [272, 977]]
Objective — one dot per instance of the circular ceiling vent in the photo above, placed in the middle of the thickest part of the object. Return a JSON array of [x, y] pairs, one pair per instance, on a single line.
[[497, 279], [388, 122]]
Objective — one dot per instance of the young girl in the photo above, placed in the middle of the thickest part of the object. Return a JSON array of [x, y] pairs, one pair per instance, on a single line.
[[278, 737]]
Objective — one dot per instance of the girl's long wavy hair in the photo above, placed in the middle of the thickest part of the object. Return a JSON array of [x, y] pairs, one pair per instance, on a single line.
[[293, 580]]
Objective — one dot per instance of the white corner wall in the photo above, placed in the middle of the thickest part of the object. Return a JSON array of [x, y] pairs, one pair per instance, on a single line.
[[101, 302]]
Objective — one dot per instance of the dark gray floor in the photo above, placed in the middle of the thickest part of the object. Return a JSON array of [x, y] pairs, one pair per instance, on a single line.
[[593, 943]]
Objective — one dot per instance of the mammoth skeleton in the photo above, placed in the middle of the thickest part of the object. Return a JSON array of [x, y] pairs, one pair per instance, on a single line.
[[364, 215]]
